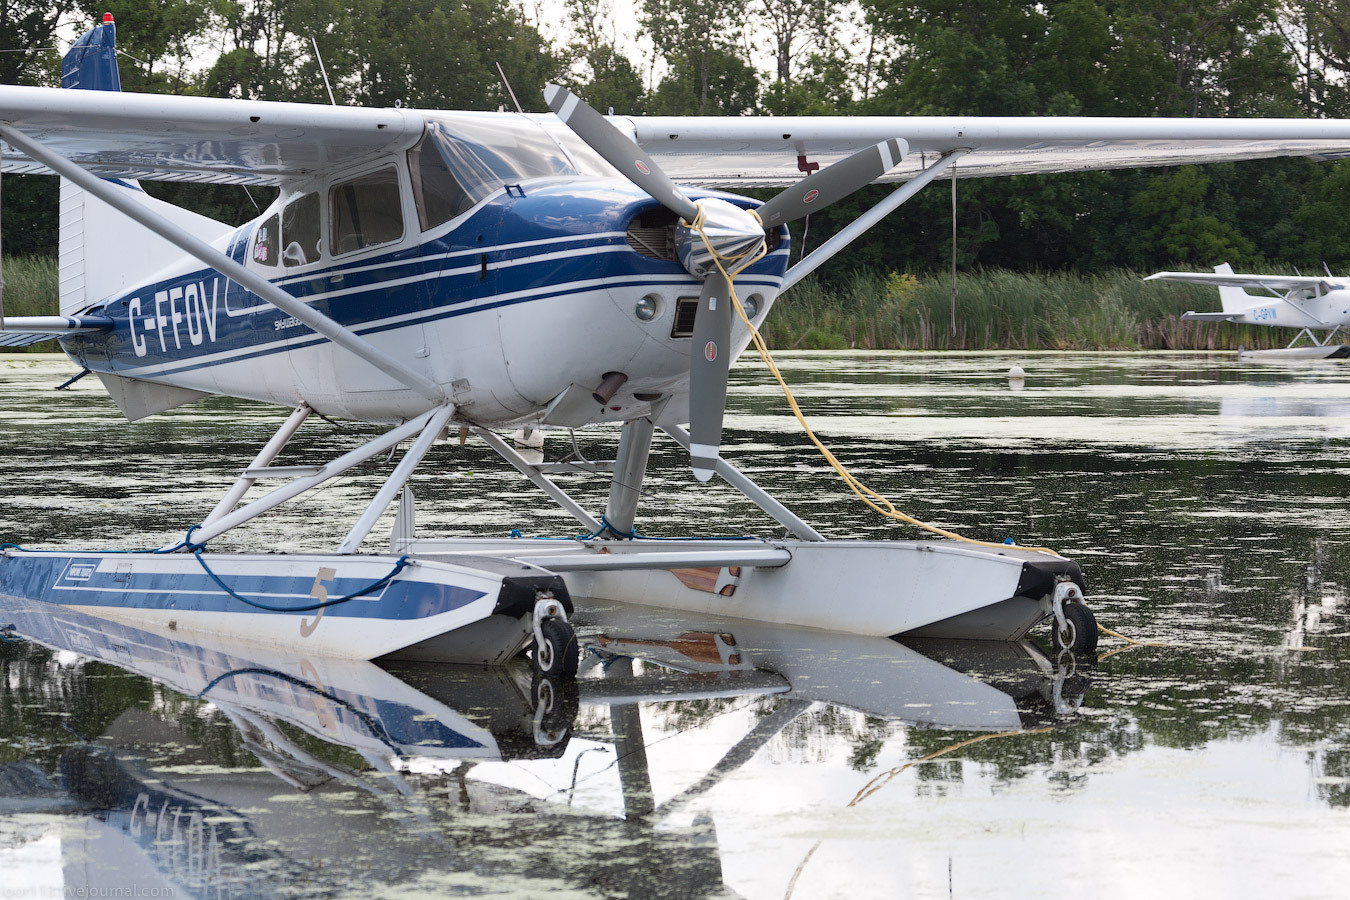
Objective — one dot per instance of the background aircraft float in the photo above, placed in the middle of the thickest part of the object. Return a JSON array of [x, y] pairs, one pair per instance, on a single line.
[[429, 270], [1306, 302]]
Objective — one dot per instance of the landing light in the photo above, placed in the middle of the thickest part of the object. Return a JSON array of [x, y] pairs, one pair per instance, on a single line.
[[647, 307], [751, 305]]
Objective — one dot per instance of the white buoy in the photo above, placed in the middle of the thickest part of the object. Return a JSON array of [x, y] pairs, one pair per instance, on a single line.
[[1017, 379]]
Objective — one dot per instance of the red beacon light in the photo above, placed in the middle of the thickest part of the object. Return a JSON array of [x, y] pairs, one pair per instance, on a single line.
[[107, 18]]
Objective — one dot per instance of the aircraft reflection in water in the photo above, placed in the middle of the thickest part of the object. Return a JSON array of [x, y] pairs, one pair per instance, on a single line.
[[167, 797]]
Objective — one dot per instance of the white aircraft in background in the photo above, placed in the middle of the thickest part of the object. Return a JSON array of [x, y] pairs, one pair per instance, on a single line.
[[1307, 302], [432, 270]]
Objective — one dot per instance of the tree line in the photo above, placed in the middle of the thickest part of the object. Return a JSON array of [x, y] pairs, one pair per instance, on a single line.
[[809, 57]]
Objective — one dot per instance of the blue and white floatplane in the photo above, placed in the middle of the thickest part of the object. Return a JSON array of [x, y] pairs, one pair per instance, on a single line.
[[434, 271]]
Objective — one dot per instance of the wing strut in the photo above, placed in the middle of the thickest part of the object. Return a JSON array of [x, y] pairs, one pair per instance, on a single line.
[[874, 215], [210, 256]]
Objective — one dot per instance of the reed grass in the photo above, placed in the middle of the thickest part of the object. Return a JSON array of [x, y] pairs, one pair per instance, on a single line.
[[995, 310], [30, 285], [1002, 310], [30, 290]]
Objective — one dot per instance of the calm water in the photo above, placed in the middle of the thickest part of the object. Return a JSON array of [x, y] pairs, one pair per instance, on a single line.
[[1205, 499]]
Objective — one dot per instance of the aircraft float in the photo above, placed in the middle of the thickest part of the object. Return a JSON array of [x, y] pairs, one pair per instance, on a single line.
[[441, 270], [1307, 302]]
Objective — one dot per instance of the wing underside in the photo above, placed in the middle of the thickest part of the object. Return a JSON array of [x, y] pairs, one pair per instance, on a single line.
[[174, 138], [155, 137], [748, 152], [24, 338]]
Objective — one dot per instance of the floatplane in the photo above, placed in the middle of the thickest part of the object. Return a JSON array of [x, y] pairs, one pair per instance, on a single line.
[[1310, 303], [439, 270]]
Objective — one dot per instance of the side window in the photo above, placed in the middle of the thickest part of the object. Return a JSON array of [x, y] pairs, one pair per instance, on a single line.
[[438, 196], [365, 212], [265, 243], [300, 231]]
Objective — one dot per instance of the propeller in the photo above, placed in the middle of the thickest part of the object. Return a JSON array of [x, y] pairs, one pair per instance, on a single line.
[[714, 239]]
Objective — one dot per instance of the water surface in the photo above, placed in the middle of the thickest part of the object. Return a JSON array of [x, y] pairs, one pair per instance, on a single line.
[[1205, 499]]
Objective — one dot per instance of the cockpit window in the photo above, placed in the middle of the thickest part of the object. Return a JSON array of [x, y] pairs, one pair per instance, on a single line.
[[300, 231], [437, 194], [486, 154], [365, 211]]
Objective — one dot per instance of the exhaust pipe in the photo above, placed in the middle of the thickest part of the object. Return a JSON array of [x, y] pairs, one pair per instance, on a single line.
[[609, 386]]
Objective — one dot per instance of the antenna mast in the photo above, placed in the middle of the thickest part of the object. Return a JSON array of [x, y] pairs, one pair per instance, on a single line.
[[322, 70], [508, 88]]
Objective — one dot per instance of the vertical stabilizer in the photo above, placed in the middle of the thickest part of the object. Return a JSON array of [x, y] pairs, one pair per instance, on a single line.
[[101, 252], [91, 62], [1233, 299]]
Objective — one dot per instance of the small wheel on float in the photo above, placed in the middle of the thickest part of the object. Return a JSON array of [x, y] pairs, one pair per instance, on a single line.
[[556, 656], [1080, 630]]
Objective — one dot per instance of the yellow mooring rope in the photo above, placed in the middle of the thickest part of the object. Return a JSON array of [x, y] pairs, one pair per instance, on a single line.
[[862, 491]]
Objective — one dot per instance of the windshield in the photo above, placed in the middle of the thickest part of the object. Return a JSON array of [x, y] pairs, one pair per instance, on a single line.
[[485, 154]]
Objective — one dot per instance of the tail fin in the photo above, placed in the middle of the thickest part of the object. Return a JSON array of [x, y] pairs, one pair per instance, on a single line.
[[91, 62], [101, 251], [1233, 299]]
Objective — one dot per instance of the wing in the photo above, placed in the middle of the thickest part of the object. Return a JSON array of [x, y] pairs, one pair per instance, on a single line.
[[1210, 317], [170, 138], [173, 138], [763, 152], [1223, 279], [24, 338]]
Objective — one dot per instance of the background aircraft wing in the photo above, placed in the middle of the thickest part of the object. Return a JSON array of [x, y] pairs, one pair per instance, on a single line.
[[159, 137], [745, 152], [1210, 316], [1280, 283]]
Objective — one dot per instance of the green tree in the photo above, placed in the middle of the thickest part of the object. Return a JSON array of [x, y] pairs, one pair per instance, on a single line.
[[27, 33], [712, 82], [1321, 235], [822, 86], [797, 29], [600, 73], [1178, 222], [700, 42], [439, 54], [1219, 54]]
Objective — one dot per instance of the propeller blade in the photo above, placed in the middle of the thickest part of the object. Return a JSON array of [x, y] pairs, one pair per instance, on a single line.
[[709, 358], [819, 189], [619, 151]]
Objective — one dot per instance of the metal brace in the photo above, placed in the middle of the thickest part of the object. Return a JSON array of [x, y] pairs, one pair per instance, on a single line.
[[545, 607], [1065, 592]]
